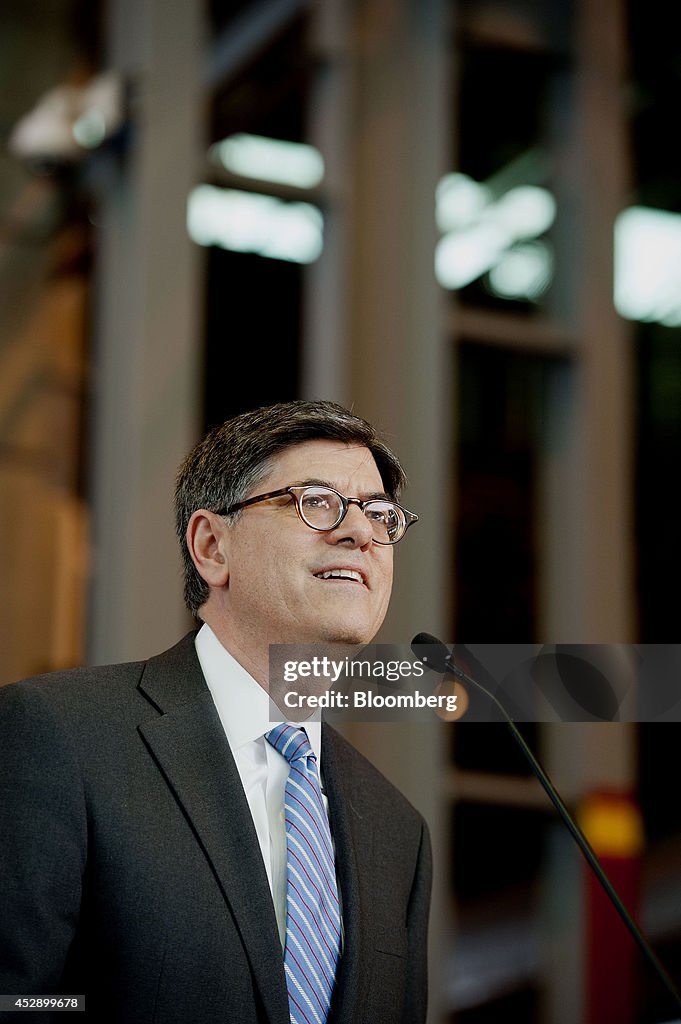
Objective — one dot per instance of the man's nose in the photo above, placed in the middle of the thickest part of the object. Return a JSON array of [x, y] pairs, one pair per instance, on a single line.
[[355, 529]]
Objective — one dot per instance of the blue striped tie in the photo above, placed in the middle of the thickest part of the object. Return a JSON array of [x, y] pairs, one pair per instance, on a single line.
[[312, 910]]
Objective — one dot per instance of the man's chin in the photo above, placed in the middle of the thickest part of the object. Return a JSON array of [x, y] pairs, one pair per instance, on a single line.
[[355, 633]]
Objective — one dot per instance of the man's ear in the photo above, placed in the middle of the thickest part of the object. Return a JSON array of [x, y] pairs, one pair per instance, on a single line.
[[207, 547]]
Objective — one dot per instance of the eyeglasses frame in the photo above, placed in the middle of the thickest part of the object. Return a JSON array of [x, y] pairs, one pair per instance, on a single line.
[[411, 517]]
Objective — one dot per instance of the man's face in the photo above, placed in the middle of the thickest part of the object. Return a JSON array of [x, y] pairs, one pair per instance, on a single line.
[[275, 592]]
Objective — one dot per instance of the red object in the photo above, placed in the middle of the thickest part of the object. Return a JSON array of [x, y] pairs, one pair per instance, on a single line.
[[612, 823]]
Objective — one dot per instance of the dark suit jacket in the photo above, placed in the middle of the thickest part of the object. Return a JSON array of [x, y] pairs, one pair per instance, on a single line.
[[130, 869]]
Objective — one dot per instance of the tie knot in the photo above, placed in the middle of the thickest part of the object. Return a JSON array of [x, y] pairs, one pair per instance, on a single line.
[[290, 741]]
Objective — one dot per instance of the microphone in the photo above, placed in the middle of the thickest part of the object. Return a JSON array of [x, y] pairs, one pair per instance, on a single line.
[[433, 653]]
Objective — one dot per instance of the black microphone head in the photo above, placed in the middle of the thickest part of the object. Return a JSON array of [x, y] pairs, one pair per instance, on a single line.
[[431, 651]]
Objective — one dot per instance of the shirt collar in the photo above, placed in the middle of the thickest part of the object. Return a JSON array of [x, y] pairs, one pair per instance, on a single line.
[[244, 707]]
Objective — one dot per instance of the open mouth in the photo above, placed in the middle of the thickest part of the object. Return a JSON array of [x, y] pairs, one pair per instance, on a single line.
[[343, 575]]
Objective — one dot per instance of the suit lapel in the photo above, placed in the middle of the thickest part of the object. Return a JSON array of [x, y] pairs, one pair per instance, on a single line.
[[188, 743], [352, 836]]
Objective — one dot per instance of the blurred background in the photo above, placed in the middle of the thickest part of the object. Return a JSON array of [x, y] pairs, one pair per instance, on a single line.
[[462, 218]]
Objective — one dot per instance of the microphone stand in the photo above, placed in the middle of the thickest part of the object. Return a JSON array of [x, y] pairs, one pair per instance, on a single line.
[[568, 820]]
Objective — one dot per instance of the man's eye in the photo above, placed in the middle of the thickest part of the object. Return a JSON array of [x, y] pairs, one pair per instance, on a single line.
[[312, 501]]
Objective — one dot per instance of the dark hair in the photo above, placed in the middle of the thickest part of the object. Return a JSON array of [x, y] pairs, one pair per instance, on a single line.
[[223, 467]]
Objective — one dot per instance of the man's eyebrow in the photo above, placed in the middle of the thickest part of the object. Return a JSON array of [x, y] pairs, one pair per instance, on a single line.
[[315, 482]]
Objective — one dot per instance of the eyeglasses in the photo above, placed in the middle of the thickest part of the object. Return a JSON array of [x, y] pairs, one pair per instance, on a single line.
[[323, 509]]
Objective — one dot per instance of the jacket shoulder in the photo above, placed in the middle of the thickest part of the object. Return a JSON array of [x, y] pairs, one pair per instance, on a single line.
[[92, 684]]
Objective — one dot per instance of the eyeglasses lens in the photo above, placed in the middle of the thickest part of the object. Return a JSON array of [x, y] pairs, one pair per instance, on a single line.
[[320, 508], [387, 521]]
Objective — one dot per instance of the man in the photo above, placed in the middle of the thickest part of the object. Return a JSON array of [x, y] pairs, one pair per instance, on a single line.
[[149, 812]]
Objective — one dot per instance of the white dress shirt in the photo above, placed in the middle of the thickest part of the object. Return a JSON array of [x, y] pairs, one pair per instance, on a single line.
[[244, 710]]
